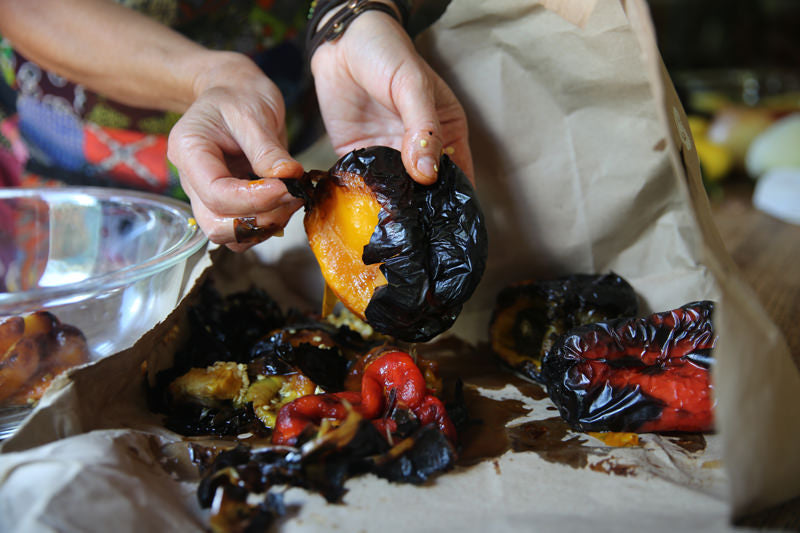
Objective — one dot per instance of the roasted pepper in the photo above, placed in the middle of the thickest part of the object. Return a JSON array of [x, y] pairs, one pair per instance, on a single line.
[[402, 256], [530, 315], [244, 360], [34, 349], [390, 381], [638, 374], [225, 328], [244, 487]]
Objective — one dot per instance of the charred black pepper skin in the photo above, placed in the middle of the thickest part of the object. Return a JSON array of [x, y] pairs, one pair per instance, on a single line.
[[529, 316], [322, 466], [431, 241], [637, 374]]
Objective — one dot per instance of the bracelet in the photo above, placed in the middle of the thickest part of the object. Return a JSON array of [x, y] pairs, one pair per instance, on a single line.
[[336, 26]]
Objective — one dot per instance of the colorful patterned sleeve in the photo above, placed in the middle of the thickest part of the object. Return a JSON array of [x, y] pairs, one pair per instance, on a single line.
[[54, 131]]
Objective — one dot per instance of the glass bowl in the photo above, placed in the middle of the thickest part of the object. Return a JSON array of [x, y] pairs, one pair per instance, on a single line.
[[108, 262]]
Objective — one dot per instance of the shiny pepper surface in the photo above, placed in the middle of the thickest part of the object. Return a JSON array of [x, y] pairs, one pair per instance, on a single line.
[[644, 374], [391, 380], [402, 256]]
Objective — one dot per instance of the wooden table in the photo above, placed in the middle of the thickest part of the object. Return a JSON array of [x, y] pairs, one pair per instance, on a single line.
[[767, 251]]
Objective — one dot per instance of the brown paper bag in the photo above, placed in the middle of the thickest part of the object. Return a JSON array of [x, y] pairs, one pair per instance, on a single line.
[[584, 164], [584, 156]]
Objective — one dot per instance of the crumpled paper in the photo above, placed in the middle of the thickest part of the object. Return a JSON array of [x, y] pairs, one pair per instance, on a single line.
[[584, 164]]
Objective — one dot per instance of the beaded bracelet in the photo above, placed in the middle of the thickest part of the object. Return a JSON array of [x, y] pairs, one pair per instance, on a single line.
[[336, 26]]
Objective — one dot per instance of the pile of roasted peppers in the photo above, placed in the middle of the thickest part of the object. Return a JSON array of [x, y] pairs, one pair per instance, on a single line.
[[321, 402], [604, 368]]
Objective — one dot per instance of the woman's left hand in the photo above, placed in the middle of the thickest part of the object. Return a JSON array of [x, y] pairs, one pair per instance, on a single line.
[[375, 89]]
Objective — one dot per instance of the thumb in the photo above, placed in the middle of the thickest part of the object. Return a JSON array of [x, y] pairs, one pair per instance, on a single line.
[[422, 140]]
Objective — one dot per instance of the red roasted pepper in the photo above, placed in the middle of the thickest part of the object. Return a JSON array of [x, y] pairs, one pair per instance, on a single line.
[[392, 375], [644, 374]]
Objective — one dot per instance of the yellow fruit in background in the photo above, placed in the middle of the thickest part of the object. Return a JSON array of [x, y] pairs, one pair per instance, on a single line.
[[716, 160], [698, 125], [734, 128]]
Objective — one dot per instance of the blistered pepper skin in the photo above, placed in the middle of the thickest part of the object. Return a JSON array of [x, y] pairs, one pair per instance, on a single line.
[[393, 379], [431, 242], [530, 315], [647, 374]]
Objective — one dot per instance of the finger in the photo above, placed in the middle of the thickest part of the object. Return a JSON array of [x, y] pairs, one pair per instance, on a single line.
[[263, 141], [413, 95], [239, 233], [201, 166], [245, 230], [455, 131]]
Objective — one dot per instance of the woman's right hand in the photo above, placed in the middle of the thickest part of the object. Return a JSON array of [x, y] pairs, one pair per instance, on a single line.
[[233, 130], [374, 88], [233, 114]]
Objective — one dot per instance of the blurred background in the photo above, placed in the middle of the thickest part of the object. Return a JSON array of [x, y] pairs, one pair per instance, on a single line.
[[701, 34], [736, 64]]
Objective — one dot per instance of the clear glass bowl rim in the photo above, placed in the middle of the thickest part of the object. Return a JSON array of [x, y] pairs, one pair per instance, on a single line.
[[189, 243]]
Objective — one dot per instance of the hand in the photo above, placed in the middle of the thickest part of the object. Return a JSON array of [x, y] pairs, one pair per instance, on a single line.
[[235, 127], [375, 89]]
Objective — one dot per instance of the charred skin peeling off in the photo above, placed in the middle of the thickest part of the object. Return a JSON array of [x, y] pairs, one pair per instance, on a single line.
[[426, 250]]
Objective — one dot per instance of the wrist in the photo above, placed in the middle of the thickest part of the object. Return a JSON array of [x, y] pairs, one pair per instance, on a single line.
[[330, 20], [223, 69], [331, 12]]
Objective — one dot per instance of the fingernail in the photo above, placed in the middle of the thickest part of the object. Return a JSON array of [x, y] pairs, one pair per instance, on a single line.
[[427, 167], [279, 163], [247, 230]]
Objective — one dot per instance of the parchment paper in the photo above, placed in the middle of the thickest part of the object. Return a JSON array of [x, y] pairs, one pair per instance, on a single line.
[[584, 163]]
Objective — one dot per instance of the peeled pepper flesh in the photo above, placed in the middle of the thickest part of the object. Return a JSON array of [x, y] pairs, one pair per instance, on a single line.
[[389, 381]]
